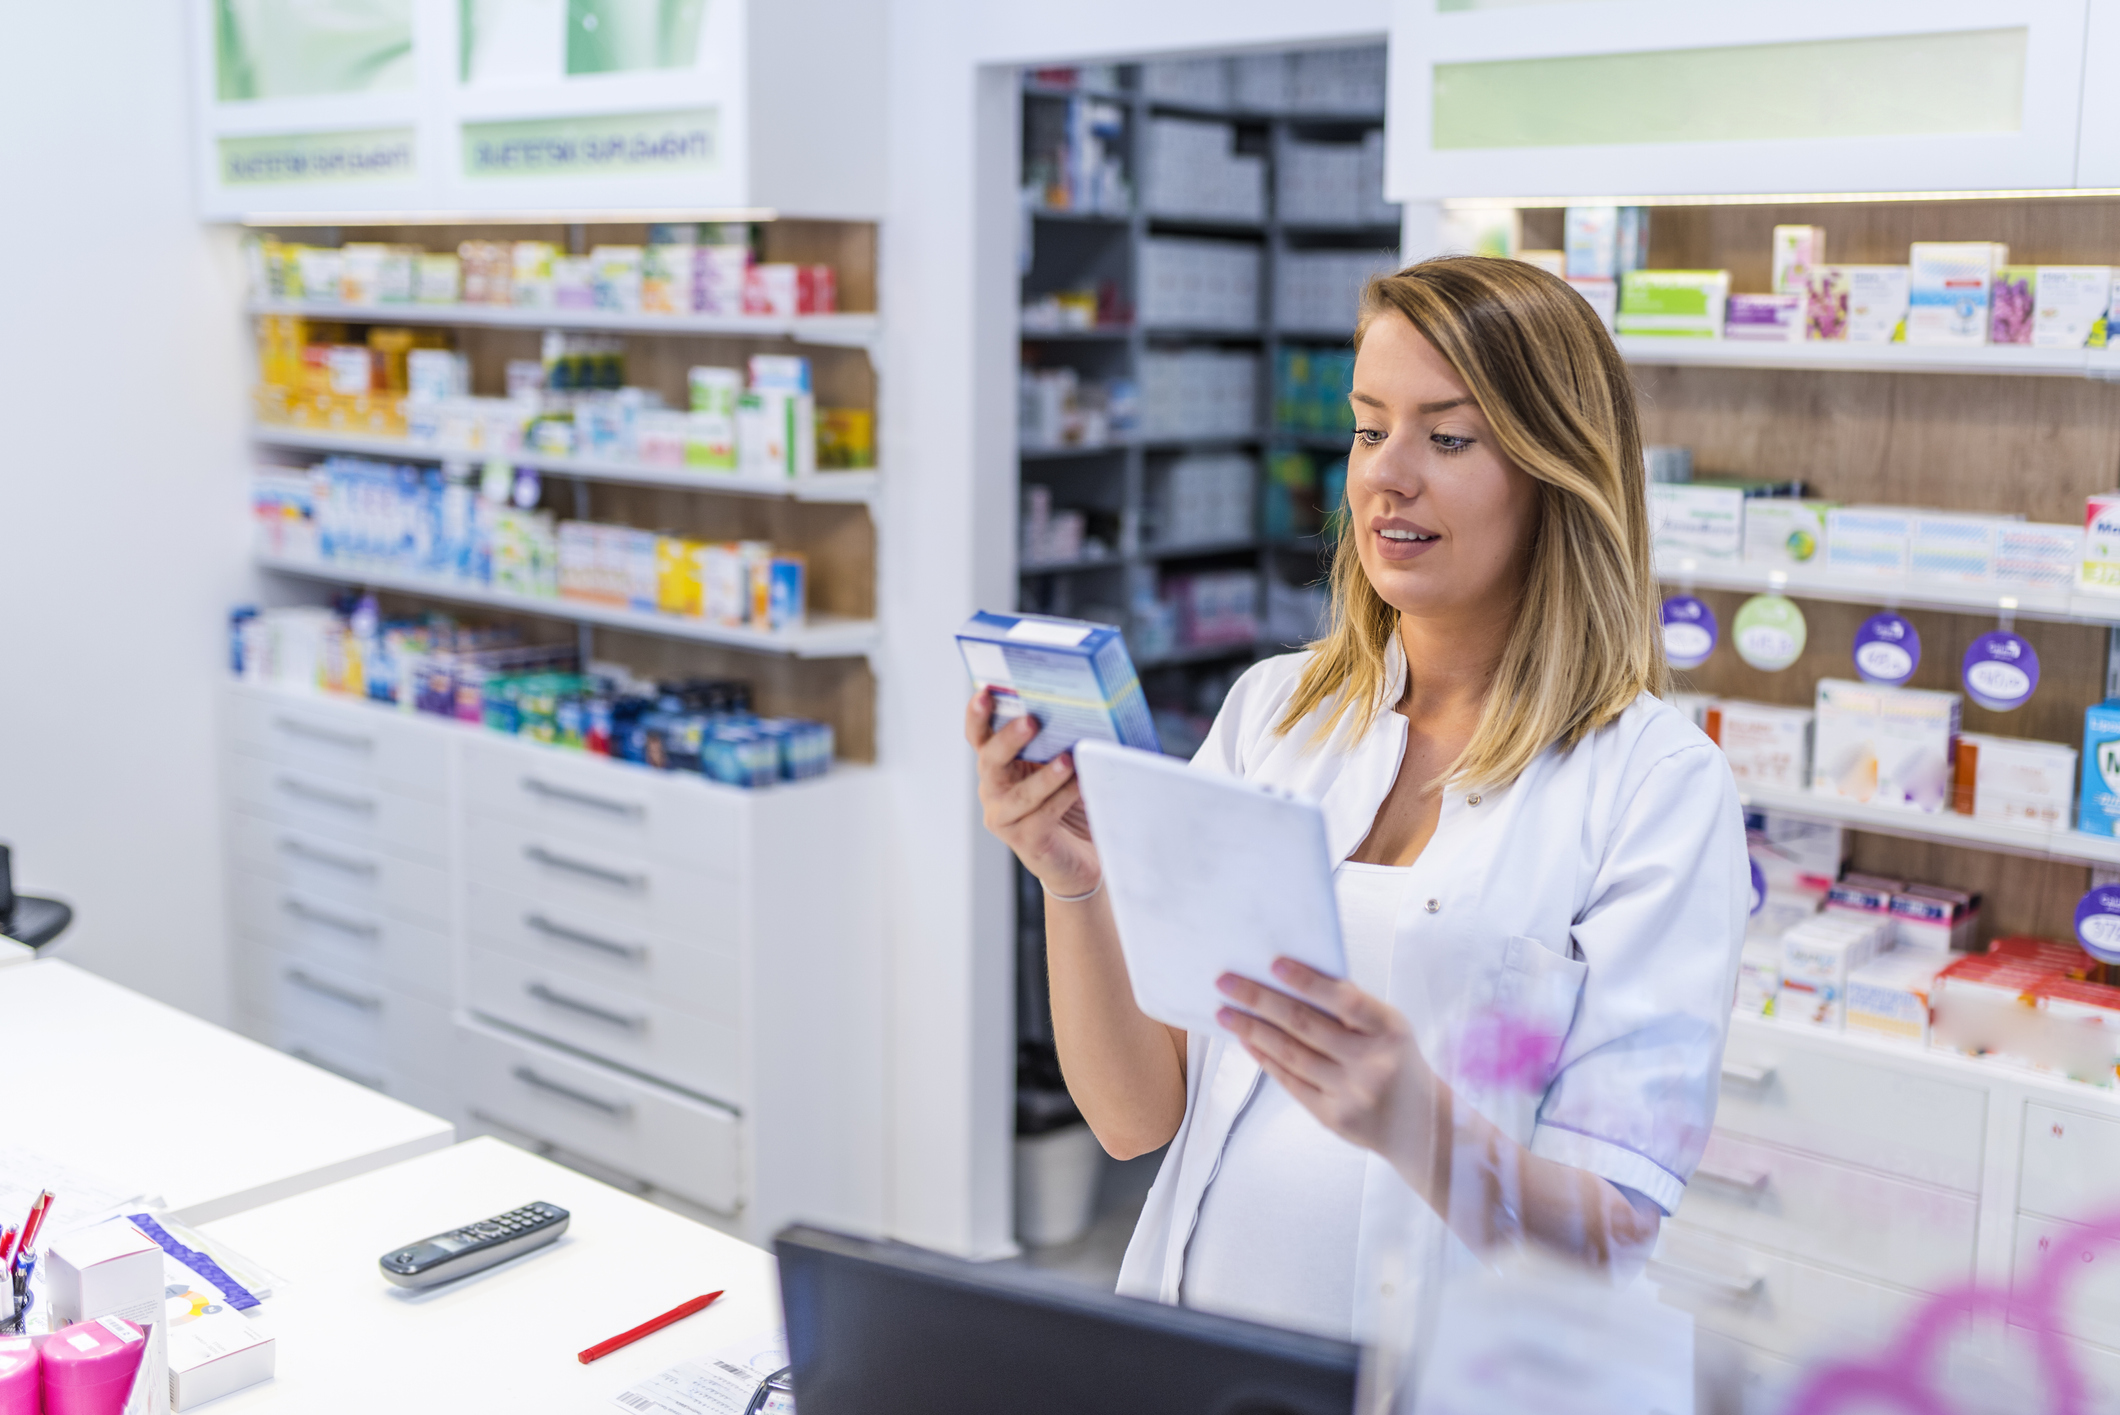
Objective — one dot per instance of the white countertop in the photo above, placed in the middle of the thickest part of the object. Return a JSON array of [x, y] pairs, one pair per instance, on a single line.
[[501, 1340], [211, 1122]]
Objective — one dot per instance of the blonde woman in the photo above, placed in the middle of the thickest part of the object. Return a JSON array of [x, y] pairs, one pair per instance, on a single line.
[[1542, 882]]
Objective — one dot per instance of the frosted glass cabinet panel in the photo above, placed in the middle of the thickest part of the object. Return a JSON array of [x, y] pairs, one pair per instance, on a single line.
[[1523, 98]]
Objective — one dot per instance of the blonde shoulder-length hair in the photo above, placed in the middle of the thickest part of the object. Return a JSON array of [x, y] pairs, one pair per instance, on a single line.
[[1587, 639]]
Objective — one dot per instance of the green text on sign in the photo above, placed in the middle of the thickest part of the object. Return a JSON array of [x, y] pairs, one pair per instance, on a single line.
[[377, 154], [1907, 85], [617, 144]]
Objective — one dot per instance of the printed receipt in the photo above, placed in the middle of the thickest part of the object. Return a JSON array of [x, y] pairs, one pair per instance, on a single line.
[[720, 1384]]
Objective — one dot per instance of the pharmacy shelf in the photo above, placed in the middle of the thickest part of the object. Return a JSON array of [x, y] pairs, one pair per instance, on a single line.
[[840, 487], [1895, 591], [1092, 218], [1147, 554], [1199, 653], [1201, 334], [1947, 827], [1109, 331], [857, 331], [1869, 358], [822, 637]]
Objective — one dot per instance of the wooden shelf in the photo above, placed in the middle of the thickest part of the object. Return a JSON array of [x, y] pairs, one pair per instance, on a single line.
[[2006, 359], [822, 637], [858, 331], [1947, 827], [824, 486], [1898, 591]]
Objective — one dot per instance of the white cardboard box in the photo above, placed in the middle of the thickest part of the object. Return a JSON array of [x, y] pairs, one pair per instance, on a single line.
[[1871, 540], [1706, 522], [2014, 779], [1782, 530], [1766, 745], [1883, 746], [214, 1354]]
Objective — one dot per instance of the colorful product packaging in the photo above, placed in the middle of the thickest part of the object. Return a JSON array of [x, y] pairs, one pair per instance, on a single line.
[[1697, 519], [1878, 299], [1758, 978], [2098, 567], [2013, 780], [2032, 556], [1816, 958], [779, 591], [1784, 530], [677, 578], [1590, 238], [617, 277], [1683, 304], [2013, 304], [1883, 746], [1950, 290], [2098, 803], [1948, 546], [1602, 295], [1776, 319], [1073, 677], [1797, 251], [1766, 746], [1871, 540], [530, 273], [2073, 301], [846, 439], [1889, 995], [710, 432], [1935, 920]]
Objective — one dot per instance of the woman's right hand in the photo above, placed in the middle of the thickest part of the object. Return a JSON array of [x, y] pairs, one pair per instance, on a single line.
[[1036, 810]]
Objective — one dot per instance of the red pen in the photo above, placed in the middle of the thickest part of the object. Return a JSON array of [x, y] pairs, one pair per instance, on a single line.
[[7, 1244], [654, 1324], [34, 1223]]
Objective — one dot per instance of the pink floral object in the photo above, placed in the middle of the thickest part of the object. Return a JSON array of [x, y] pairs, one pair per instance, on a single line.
[[2011, 320], [1826, 307]]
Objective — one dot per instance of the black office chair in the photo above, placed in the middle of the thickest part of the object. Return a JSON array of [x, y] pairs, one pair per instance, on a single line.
[[24, 917]]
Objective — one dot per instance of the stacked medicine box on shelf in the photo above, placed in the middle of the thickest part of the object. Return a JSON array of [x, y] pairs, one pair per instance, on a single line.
[[587, 955]]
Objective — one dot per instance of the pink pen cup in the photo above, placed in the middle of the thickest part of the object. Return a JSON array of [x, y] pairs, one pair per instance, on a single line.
[[21, 1377], [89, 1366]]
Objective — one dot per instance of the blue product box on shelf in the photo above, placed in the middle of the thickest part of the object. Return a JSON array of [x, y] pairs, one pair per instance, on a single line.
[[2098, 803], [1073, 676]]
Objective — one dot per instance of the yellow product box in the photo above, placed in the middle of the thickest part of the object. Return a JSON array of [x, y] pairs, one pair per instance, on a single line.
[[677, 588], [846, 439]]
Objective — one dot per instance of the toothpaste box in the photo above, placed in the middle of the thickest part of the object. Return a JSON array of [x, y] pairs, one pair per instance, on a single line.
[[1870, 540], [1817, 956], [1934, 919], [2012, 303], [2033, 556], [1949, 546], [1777, 319], [2072, 306], [1889, 995], [2014, 780], [2098, 804], [1684, 304], [1883, 746], [1075, 678], [1767, 746], [1877, 303], [1797, 251], [2098, 567], [1785, 530], [1950, 288], [1694, 519]]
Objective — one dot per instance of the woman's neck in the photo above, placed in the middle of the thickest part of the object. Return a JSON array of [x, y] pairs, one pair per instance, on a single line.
[[1450, 662]]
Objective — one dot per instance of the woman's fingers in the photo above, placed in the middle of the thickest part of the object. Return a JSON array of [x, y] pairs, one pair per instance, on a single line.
[[1002, 747], [1336, 997], [1263, 1037], [1316, 1029], [1305, 1094], [979, 718], [1011, 804]]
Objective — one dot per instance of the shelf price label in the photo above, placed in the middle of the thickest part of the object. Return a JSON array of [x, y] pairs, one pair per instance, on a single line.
[[2001, 671], [1690, 631], [1887, 649], [2098, 923], [1770, 632]]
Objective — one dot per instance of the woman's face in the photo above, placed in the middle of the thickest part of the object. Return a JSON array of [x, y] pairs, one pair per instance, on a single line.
[[1442, 521]]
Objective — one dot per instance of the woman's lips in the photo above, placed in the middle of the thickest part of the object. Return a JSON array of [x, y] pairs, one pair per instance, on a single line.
[[1404, 542]]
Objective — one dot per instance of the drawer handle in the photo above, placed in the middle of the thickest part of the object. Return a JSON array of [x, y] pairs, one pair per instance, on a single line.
[[1756, 1078], [373, 1083], [308, 915], [292, 846], [635, 1023], [365, 1001], [632, 810], [1737, 1289], [294, 726], [618, 1110], [296, 787], [631, 952], [540, 855], [1751, 1183]]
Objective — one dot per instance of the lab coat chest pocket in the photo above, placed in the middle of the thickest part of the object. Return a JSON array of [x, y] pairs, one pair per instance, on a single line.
[[1534, 1006]]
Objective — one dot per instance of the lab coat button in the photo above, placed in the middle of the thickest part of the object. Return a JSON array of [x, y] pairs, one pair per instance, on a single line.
[[1434, 905], [1472, 800]]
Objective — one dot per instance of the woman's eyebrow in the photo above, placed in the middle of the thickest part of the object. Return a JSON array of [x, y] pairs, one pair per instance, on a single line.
[[1446, 405]]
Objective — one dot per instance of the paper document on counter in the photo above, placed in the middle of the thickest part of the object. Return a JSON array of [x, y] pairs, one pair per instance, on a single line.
[[79, 1198], [1208, 874], [720, 1384]]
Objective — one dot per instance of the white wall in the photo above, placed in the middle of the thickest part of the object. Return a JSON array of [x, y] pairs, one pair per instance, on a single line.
[[949, 407], [121, 493]]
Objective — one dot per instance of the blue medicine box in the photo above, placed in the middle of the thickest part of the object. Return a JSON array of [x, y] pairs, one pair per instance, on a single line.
[[1073, 676], [2098, 803]]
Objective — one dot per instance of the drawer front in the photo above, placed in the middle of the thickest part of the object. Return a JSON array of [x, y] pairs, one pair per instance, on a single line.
[[698, 978], [1849, 1109], [366, 1031], [1772, 1301], [364, 943], [616, 805], [337, 870], [2090, 1287], [1822, 1212], [2071, 1163], [378, 817], [358, 742], [671, 1141], [696, 1053], [598, 882]]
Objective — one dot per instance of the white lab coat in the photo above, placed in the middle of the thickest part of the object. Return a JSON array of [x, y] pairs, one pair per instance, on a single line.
[[1566, 957]]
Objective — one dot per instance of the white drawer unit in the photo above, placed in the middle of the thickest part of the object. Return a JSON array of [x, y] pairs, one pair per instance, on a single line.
[[677, 982], [1771, 1300], [2071, 1163], [672, 1141], [379, 817], [2089, 1305]]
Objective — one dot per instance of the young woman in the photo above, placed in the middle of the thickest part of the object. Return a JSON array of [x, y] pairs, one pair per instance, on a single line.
[[1542, 883]]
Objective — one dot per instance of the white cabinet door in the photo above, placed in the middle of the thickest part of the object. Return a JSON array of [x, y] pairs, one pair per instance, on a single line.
[[1618, 98]]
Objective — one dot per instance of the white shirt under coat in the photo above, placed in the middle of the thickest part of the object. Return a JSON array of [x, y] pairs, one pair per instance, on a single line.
[[1565, 952]]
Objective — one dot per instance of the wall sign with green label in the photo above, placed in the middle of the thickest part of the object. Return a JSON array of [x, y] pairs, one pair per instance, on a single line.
[[621, 144], [379, 154]]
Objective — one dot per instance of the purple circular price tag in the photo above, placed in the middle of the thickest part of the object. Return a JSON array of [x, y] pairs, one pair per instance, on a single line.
[[1690, 631], [1887, 649], [2098, 924], [2001, 671], [1759, 888]]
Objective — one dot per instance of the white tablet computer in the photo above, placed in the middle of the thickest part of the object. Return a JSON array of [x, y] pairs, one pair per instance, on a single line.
[[1208, 874]]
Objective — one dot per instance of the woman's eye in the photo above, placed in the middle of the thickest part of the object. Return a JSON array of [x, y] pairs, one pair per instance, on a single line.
[[1369, 436], [1446, 443]]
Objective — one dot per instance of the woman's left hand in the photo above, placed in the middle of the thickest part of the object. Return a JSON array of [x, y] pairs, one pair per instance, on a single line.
[[1348, 1057]]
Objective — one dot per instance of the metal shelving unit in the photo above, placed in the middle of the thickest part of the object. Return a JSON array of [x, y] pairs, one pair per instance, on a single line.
[[855, 331]]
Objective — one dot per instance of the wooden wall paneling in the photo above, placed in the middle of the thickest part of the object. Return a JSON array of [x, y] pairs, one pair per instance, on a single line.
[[849, 247], [2019, 895]]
